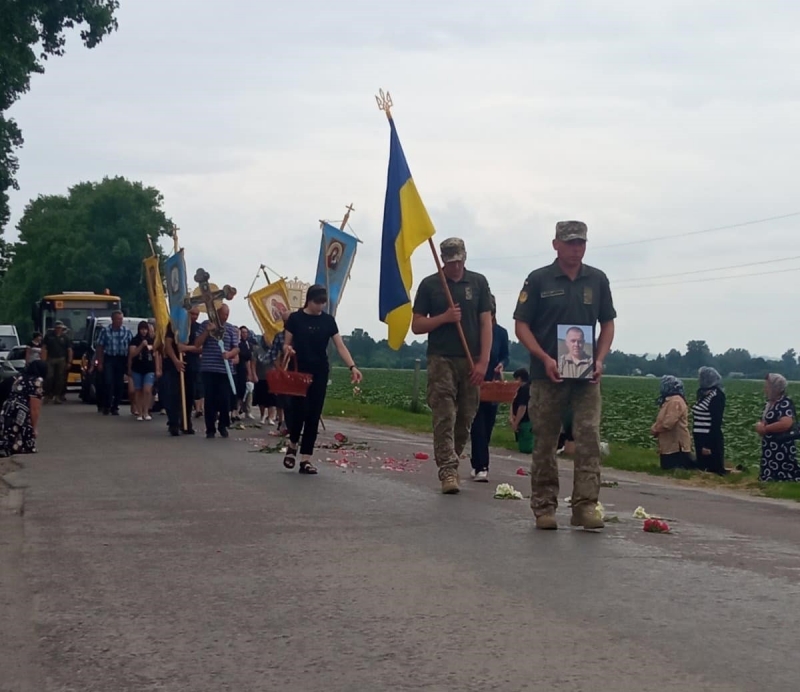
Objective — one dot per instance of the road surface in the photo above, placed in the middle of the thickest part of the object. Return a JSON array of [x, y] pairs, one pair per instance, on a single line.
[[144, 562]]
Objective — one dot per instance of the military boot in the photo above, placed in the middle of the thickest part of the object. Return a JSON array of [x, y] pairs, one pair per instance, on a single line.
[[586, 515], [546, 522], [450, 483]]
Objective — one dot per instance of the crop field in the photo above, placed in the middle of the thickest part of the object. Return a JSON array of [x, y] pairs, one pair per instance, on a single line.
[[629, 407]]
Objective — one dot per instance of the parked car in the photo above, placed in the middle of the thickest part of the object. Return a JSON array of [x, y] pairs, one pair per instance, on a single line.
[[7, 370], [16, 356]]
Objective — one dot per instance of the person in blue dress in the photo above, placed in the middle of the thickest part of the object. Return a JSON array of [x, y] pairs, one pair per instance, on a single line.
[[778, 451], [485, 418]]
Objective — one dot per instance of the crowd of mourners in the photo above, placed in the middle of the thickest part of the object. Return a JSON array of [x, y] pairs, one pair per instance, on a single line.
[[777, 427]]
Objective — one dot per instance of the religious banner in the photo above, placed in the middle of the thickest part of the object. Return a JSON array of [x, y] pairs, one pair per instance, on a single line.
[[158, 301], [177, 290], [297, 290], [336, 254], [267, 304]]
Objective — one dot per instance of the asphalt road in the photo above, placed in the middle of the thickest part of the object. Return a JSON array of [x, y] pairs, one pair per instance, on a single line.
[[144, 562]]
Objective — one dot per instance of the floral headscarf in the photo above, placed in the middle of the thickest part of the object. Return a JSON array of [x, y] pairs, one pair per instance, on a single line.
[[670, 386]]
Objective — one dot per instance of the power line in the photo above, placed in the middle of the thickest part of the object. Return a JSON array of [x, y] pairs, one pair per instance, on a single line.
[[658, 238], [713, 278], [703, 271]]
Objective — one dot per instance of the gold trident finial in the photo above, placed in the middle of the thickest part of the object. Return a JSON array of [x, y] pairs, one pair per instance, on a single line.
[[385, 102]]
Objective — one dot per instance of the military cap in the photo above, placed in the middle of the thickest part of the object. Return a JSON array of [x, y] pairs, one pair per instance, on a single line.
[[453, 250], [570, 230]]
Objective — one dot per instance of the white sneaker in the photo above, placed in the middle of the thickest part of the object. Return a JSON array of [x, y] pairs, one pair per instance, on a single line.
[[148, 417], [482, 477], [272, 421], [139, 418], [264, 419], [473, 474], [251, 416]]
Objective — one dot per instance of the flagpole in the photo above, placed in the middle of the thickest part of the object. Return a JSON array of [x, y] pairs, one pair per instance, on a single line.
[[175, 342], [385, 104]]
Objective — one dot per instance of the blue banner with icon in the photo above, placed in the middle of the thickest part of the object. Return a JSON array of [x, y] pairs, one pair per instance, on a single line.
[[336, 254], [177, 290]]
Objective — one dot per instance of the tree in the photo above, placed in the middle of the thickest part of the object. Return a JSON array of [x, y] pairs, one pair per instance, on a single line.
[[734, 360], [28, 27], [697, 355], [92, 239], [673, 362]]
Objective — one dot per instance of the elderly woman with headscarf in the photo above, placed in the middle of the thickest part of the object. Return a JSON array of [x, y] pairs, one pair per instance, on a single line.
[[707, 413], [19, 417], [778, 452], [672, 426]]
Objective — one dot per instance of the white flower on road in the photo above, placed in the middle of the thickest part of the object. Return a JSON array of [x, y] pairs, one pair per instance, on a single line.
[[506, 491], [639, 513]]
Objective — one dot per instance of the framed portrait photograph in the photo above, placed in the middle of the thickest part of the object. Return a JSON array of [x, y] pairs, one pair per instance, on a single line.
[[576, 351]]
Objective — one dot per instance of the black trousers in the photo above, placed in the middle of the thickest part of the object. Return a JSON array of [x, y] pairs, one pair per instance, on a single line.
[[305, 412], [481, 434], [114, 369], [171, 393], [217, 401], [677, 460], [100, 389]]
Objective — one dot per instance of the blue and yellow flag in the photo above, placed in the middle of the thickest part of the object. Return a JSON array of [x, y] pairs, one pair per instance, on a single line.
[[406, 225], [336, 254]]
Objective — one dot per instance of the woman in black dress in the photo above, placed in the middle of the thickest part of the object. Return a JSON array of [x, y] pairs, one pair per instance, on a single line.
[[20, 413], [707, 413], [307, 334]]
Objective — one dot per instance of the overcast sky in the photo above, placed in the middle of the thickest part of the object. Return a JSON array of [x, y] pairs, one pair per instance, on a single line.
[[257, 119]]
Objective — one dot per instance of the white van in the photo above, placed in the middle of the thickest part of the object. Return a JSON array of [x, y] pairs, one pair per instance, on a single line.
[[8, 339]]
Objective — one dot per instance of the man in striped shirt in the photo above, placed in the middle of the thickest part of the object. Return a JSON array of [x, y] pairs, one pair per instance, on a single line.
[[213, 370]]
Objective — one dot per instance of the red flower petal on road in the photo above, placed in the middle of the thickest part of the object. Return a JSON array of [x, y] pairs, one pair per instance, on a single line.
[[340, 438], [421, 455], [521, 472]]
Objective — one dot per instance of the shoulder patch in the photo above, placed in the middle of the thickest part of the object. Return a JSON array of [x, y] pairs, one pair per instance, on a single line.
[[523, 295]]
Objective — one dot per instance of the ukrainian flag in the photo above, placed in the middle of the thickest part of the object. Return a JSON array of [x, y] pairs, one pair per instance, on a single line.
[[406, 225]]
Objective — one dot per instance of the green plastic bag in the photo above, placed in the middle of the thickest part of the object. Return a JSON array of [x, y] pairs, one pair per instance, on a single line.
[[525, 437]]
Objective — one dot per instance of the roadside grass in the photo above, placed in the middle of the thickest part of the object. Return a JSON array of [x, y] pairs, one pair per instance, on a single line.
[[623, 457]]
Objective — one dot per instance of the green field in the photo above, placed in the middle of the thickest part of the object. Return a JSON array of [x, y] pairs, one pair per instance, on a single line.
[[629, 409]]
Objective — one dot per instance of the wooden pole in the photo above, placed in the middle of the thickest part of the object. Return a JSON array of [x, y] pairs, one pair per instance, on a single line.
[[176, 345]]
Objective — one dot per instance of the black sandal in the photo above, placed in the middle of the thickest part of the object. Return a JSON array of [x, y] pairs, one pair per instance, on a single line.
[[308, 468], [290, 459]]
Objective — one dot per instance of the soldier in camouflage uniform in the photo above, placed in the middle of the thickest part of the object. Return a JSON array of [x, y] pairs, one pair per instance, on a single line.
[[566, 292], [453, 390]]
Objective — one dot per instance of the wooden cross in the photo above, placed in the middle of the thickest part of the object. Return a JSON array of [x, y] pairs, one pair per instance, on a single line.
[[208, 297], [349, 208]]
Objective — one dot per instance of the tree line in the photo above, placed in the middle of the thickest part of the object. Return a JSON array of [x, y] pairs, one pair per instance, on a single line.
[[91, 239]]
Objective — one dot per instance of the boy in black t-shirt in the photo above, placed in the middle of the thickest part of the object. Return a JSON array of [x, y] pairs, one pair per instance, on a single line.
[[519, 419]]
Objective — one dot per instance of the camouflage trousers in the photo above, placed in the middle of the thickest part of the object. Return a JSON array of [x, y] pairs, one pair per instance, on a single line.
[[548, 402], [454, 402]]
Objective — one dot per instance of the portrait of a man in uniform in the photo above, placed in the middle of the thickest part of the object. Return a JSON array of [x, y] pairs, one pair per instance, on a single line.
[[576, 359]]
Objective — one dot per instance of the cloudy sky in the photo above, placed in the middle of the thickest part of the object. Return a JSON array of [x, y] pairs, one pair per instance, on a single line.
[[256, 119]]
